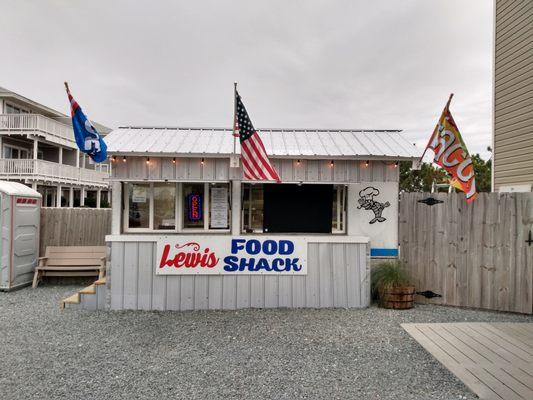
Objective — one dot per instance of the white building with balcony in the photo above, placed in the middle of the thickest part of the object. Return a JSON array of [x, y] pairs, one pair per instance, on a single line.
[[37, 148]]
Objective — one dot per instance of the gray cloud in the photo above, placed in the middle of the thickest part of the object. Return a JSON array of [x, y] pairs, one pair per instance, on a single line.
[[319, 64]]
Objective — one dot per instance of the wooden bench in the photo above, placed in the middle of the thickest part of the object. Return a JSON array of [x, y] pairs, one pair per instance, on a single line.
[[71, 261]]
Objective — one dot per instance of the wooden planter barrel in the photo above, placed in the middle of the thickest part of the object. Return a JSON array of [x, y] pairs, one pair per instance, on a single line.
[[399, 298]]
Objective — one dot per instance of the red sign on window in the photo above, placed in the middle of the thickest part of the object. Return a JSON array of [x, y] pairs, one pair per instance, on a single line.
[[195, 207]]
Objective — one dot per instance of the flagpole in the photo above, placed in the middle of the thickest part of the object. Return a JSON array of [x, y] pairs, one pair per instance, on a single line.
[[66, 87], [431, 138], [234, 118]]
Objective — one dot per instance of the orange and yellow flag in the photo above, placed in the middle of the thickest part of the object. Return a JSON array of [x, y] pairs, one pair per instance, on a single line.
[[452, 155]]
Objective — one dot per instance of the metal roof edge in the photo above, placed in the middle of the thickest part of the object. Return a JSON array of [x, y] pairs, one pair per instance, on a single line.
[[361, 157], [258, 129]]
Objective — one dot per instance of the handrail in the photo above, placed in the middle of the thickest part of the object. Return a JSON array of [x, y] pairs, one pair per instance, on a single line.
[[36, 122], [49, 169]]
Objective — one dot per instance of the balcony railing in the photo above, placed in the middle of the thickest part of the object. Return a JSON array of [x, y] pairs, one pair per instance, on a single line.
[[39, 124], [50, 171]]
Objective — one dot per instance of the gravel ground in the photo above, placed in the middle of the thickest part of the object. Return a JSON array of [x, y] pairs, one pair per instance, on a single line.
[[252, 354]]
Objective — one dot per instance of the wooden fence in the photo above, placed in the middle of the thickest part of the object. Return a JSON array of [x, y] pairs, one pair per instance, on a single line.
[[474, 255], [74, 227]]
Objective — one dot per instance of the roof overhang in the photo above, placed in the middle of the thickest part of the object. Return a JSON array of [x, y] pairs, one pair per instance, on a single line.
[[305, 144]]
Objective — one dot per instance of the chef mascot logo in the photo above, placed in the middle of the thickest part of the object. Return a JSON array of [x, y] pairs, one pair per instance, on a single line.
[[367, 201]]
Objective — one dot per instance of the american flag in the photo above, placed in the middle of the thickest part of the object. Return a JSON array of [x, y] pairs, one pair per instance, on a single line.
[[255, 163]]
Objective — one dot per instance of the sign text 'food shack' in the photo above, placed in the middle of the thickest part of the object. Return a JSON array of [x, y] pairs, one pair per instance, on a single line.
[[225, 255]]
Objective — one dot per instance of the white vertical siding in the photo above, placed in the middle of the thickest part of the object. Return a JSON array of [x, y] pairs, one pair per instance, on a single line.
[[217, 169], [338, 276]]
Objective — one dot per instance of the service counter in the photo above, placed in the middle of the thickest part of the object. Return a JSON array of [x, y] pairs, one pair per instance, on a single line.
[[222, 271]]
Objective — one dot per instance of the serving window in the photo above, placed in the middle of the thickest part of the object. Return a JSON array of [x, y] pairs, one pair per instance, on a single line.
[[293, 208], [176, 207]]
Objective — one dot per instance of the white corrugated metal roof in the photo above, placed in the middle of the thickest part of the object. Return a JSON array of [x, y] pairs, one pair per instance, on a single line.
[[279, 143]]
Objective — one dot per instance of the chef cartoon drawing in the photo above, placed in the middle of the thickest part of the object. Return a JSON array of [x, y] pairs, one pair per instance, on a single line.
[[366, 201]]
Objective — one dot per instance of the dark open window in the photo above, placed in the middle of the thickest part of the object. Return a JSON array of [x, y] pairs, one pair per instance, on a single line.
[[298, 208]]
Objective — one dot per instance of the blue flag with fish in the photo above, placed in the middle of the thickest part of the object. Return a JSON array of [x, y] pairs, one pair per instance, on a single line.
[[87, 137]]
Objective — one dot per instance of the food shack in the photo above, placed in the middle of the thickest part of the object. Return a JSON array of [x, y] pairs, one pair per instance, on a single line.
[[189, 233]]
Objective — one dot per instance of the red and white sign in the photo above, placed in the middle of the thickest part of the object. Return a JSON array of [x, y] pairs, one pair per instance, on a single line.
[[26, 201], [227, 255]]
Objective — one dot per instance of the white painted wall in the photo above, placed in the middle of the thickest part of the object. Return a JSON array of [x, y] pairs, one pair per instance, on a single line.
[[383, 235]]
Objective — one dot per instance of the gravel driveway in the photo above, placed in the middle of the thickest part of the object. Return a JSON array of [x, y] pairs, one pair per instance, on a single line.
[[254, 354]]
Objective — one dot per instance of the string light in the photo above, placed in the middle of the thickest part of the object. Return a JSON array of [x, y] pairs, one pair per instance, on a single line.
[[367, 163], [202, 162], [147, 160], [332, 163], [298, 162], [174, 160], [114, 158], [124, 159], [396, 164]]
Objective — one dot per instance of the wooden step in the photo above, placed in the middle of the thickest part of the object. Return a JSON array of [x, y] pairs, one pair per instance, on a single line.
[[74, 299], [88, 290], [100, 281]]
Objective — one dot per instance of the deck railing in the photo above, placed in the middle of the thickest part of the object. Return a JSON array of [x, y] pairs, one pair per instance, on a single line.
[[37, 123], [51, 171]]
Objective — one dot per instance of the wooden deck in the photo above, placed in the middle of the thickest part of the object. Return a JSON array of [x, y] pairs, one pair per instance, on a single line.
[[495, 360]]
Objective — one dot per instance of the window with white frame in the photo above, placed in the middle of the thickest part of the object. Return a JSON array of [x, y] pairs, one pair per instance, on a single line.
[[193, 199], [293, 208], [219, 206], [338, 224], [13, 109], [252, 208], [15, 152], [176, 207], [164, 206], [138, 210]]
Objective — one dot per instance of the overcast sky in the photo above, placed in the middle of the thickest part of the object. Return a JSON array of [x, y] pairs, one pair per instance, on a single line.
[[387, 64]]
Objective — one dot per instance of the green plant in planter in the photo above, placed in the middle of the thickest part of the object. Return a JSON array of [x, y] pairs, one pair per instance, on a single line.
[[391, 283]]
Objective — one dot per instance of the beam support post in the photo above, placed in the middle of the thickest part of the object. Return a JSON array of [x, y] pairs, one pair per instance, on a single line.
[[236, 207], [58, 196], [98, 197], [35, 148], [71, 197], [116, 211]]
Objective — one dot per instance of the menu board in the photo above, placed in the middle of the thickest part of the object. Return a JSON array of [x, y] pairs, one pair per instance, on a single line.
[[219, 207]]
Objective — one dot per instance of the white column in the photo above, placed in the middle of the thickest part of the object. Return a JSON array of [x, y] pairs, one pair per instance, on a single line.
[[82, 196], [235, 208], [98, 197], [58, 196], [1, 149], [35, 148], [116, 194], [77, 158], [71, 197], [206, 206], [34, 185], [83, 161], [60, 158]]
